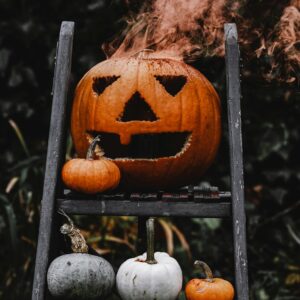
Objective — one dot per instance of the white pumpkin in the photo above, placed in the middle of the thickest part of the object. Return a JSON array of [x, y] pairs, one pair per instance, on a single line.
[[137, 280], [151, 276]]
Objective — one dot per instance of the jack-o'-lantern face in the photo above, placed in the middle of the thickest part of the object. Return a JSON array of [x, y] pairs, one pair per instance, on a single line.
[[159, 120]]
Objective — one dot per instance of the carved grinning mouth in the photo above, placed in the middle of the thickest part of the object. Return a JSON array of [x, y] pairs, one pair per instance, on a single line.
[[144, 146]]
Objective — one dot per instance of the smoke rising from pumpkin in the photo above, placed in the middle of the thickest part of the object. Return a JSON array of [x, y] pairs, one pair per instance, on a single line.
[[177, 28], [191, 29]]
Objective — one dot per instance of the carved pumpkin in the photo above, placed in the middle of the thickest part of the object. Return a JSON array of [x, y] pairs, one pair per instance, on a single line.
[[149, 276], [159, 119], [209, 288], [91, 175]]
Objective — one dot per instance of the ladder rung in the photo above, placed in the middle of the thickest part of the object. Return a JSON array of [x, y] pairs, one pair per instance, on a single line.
[[194, 195], [210, 209]]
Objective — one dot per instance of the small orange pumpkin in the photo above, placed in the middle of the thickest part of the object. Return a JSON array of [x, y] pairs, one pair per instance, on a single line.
[[90, 175], [209, 288]]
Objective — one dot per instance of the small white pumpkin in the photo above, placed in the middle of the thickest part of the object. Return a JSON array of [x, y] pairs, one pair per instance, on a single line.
[[151, 276]]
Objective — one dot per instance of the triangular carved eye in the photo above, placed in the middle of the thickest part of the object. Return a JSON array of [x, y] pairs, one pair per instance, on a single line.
[[172, 84], [101, 83]]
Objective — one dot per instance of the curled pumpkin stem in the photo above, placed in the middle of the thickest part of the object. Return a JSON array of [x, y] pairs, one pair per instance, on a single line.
[[78, 243], [94, 147], [206, 269], [150, 242]]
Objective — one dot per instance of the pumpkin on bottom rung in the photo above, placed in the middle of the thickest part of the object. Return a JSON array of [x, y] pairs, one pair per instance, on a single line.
[[79, 275], [150, 276], [209, 288]]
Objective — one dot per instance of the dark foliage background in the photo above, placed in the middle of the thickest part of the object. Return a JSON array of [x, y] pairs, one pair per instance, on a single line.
[[271, 114]]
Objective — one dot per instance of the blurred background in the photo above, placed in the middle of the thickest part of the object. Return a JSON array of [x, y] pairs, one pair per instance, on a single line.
[[271, 130]]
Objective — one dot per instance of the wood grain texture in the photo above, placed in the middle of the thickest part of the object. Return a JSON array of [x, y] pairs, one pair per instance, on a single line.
[[54, 156], [232, 58], [146, 208], [184, 194]]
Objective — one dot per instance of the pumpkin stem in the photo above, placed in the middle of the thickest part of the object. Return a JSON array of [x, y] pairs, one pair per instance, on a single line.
[[150, 242], [62, 212], [93, 148], [78, 243], [206, 269]]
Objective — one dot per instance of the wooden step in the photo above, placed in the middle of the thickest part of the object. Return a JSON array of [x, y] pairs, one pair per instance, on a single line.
[[145, 208], [193, 203]]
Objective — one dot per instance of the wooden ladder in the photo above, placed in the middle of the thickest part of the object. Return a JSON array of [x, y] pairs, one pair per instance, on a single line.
[[190, 202]]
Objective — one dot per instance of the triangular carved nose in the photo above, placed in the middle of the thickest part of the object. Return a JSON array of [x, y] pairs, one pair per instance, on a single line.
[[137, 109]]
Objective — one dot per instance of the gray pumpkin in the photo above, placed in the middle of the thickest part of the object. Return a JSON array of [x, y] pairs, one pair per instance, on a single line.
[[80, 276]]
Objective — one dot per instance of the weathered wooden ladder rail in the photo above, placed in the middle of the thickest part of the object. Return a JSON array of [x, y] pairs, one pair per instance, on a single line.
[[190, 202]]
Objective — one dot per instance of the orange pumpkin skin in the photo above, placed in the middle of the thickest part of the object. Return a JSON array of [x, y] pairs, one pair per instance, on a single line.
[[90, 176], [193, 113], [201, 289]]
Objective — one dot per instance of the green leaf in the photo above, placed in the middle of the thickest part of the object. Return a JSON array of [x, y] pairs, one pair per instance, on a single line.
[[263, 295], [12, 222], [2, 224], [212, 223], [19, 134], [25, 163], [4, 59]]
